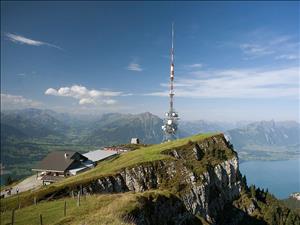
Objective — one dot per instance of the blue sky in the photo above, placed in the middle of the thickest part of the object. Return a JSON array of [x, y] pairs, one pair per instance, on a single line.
[[233, 60]]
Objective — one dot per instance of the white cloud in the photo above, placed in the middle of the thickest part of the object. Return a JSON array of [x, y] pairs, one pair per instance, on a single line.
[[27, 41], [193, 66], [239, 83], [287, 57], [110, 101], [255, 49], [134, 67], [263, 43], [85, 101], [84, 95], [17, 102], [51, 91]]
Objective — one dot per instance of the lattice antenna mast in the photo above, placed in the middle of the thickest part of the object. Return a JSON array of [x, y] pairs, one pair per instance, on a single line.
[[172, 72], [171, 121]]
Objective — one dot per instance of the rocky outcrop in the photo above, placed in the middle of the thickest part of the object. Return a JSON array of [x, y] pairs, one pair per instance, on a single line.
[[218, 186], [161, 210], [202, 193]]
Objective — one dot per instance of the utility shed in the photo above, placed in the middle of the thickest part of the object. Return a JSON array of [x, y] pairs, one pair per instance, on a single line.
[[99, 155], [135, 141]]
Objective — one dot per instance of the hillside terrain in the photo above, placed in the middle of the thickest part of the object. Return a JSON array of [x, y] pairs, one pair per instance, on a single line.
[[195, 180], [30, 134], [292, 203]]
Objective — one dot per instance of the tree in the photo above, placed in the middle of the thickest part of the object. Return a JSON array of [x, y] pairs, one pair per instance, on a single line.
[[253, 191], [244, 182], [9, 180]]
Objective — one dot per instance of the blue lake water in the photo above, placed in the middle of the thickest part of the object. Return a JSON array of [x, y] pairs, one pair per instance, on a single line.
[[281, 177]]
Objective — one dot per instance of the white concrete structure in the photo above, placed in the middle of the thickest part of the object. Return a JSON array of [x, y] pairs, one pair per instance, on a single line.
[[135, 141]]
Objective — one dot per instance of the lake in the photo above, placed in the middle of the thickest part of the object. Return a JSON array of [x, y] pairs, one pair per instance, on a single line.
[[281, 177]]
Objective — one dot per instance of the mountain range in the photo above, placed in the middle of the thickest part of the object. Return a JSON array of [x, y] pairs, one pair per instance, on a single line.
[[267, 140], [28, 135]]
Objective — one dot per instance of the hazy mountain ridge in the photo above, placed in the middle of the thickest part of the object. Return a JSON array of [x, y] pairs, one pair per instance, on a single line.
[[267, 140], [267, 133], [34, 123], [202, 126], [36, 132], [119, 128]]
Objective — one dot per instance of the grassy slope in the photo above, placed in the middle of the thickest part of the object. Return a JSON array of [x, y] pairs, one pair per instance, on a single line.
[[108, 167], [108, 209], [105, 209], [142, 155]]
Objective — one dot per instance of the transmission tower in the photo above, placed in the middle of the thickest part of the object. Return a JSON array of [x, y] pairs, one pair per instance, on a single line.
[[171, 120]]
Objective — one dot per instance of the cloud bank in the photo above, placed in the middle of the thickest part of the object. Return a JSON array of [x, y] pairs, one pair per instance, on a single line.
[[84, 95], [17, 102], [280, 47], [238, 83]]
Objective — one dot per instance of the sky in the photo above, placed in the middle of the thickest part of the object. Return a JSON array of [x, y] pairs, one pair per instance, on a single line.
[[233, 60]]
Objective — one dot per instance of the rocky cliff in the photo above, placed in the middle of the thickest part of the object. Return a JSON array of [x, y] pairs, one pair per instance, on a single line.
[[204, 175]]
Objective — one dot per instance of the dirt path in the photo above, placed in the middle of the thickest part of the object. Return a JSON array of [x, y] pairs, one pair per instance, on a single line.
[[29, 183]]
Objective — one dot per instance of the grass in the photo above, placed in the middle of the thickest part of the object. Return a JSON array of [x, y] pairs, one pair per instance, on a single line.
[[108, 167], [94, 209], [131, 146]]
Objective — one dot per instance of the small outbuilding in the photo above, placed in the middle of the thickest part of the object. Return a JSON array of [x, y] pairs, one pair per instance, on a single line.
[[135, 141]]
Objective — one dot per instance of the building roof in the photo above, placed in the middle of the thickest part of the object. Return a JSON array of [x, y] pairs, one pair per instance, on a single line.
[[59, 161], [84, 166], [98, 155]]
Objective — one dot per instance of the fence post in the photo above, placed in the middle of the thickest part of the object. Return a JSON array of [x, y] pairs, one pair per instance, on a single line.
[[78, 199], [65, 208], [13, 217], [34, 200], [19, 205], [41, 219]]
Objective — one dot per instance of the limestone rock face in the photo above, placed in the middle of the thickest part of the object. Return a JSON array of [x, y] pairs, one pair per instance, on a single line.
[[218, 186], [202, 193]]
